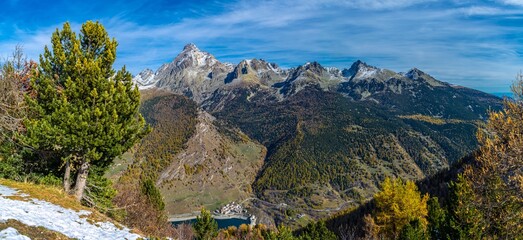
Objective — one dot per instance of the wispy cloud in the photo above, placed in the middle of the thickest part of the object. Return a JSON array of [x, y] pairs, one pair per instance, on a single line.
[[482, 10], [512, 2], [472, 44]]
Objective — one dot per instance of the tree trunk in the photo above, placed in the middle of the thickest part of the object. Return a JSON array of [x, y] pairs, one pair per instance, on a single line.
[[81, 180], [67, 177]]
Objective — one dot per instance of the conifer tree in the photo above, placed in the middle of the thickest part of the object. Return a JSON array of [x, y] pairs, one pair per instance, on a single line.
[[317, 231], [438, 228], [465, 221], [205, 227], [413, 231], [84, 111]]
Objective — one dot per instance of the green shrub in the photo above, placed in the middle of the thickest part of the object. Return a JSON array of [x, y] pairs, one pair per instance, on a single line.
[[153, 194]]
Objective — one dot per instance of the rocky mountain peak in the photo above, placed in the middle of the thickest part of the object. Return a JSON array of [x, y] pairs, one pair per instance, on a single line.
[[145, 79], [146, 73], [255, 71], [190, 46], [192, 56], [360, 69], [418, 75], [257, 65], [313, 67], [414, 74]]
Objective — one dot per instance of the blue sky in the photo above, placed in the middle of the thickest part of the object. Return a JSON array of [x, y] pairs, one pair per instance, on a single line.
[[477, 44]]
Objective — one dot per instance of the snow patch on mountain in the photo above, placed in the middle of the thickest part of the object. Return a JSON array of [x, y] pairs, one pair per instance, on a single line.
[[145, 79]]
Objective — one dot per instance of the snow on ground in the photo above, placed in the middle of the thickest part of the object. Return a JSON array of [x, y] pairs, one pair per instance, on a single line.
[[11, 234], [34, 212]]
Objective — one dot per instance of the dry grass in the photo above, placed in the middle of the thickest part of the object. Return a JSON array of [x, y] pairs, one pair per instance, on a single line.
[[50, 194]]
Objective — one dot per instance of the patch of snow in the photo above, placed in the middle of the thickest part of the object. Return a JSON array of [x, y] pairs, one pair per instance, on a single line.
[[12, 234], [145, 79], [271, 67], [366, 72], [7, 192], [146, 87], [198, 58], [36, 212]]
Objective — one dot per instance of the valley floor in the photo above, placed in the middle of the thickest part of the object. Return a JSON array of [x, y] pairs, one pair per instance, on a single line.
[[22, 208]]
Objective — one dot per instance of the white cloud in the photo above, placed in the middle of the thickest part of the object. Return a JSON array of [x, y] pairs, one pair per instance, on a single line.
[[482, 10], [384, 4], [512, 2], [32, 42]]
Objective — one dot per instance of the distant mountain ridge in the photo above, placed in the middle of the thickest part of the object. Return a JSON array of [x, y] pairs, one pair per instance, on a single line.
[[197, 74], [332, 135]]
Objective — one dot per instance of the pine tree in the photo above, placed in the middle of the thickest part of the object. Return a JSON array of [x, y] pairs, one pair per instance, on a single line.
[[317, 231], [85, 112], [413, 231], [464, 218], [205, 227], [438, 228]]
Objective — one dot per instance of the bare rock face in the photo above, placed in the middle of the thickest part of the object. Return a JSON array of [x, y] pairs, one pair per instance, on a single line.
[[256, 72], [145, 79], [310, 74], [417, 75], [193, 73]]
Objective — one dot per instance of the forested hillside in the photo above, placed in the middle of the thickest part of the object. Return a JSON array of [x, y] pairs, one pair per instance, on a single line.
[[319, 140]]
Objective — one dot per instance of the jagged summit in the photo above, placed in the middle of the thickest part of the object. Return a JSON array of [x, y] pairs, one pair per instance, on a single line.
[[192, 56], [418, 75], [414, 73], [254, 72], [310, 70], [145, 79], [362, 71], [313, 66], [355, 68], [257, 65], [190, 46]]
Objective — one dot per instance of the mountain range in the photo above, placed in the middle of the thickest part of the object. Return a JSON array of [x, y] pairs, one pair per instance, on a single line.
[[327, 136]]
